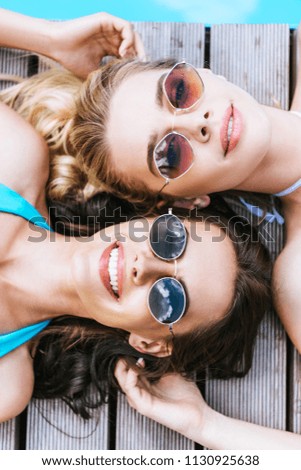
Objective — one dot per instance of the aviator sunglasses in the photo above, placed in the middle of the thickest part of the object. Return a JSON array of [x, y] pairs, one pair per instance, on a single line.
[[183, 89], [167, 298]]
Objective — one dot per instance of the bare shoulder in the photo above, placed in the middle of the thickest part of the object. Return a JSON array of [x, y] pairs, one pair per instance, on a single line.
[[23, 156], [287, 290], [16, 383]]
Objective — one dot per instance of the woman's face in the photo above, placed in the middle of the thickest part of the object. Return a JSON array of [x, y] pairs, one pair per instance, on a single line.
[[140, 116], [207, 268]]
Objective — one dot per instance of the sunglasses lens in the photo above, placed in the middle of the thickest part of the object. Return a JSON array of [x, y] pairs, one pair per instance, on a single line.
[[183, 86], [167, 300], [167, 237], [173, 155]]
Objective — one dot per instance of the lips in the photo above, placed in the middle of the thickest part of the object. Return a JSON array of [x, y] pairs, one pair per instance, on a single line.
[[231, 129], [111, 265]]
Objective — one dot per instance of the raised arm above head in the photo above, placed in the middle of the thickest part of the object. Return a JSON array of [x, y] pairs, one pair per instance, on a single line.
[[79, 44]]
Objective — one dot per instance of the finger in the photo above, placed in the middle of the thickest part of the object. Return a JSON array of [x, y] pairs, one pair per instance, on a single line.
[[139, 47], [135, 49], [127, 378], [127, 38], [131, 384], [121, 371]]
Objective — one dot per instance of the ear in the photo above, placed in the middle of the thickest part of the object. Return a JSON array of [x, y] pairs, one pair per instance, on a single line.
[[194, 203], [186, 203], [158, 348]]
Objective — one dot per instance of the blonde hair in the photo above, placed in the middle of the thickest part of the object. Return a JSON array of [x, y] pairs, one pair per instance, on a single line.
[[72, 116], [48, 102]]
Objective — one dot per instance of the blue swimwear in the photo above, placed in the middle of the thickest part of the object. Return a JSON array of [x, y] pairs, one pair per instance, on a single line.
[[12, 203]]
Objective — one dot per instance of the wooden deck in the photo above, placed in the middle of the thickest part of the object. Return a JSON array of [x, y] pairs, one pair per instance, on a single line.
[[259, 58]]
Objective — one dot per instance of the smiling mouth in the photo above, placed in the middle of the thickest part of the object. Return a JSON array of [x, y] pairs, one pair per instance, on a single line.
[[113, 271], [111, 268]]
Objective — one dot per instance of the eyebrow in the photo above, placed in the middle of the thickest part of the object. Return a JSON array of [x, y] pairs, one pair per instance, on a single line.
[[153, 140]]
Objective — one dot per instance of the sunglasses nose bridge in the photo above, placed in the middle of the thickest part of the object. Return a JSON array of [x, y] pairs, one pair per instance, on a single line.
[[149, 267]]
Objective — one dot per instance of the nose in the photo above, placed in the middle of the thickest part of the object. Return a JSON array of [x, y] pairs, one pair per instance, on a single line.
[[194, 122], [147, 267]]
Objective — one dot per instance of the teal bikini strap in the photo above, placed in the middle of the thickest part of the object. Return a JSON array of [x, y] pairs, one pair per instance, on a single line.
[[14, 339], [13, 203]]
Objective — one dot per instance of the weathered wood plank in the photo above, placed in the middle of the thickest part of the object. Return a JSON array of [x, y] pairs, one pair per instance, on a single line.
[[161, 40], [51, 424], [14, 62], [295, 393], [256, 57], [134, 431], [173, 40], [9, 435]]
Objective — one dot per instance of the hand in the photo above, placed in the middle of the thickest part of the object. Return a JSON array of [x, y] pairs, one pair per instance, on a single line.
[[80, 44], [172, 401]]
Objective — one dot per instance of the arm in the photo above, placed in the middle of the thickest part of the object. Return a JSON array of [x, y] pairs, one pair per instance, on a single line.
[[296, 103], [24, 163], [77, 44], [17, 380], [286, 288], [178, 404]]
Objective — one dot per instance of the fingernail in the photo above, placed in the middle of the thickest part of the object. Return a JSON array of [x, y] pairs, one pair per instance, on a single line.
[[140, 362]]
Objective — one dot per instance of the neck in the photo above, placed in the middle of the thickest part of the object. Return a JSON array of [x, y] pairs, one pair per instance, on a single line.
[[41, 283], [281, 165]]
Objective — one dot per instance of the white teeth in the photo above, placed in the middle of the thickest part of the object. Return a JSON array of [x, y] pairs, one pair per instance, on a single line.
[[113, 269], [230, 126]]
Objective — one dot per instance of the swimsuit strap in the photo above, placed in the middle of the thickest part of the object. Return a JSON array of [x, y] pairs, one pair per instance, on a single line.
[[14, 339], [290, 189], [297, 184], [13, 203]]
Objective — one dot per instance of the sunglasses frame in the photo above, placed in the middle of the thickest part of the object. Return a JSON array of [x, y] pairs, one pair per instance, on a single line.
[[169, 277], [184, 230], [167, 179], [183, 62], [184, 296]]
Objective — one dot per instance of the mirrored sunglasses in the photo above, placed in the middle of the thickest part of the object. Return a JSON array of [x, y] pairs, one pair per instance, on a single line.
[[167, 297]]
